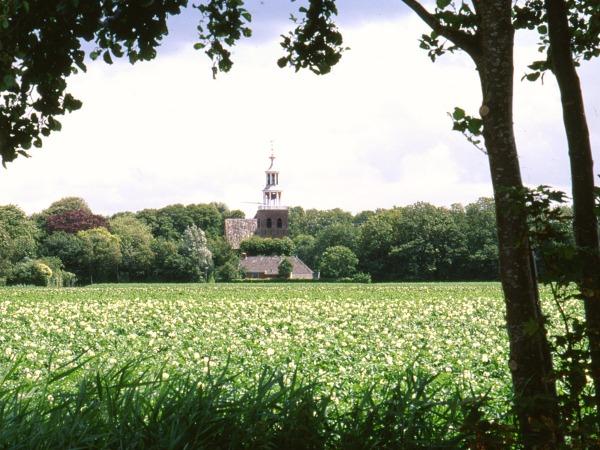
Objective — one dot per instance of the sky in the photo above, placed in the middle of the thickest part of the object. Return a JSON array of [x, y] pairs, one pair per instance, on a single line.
[[372, 134]]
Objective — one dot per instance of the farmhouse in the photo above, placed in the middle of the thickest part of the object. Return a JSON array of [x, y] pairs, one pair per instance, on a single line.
[[271, 220], [268, 267]]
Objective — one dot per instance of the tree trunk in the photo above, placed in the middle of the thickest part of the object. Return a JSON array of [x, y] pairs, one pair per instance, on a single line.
[[585, 224], [530, 358]]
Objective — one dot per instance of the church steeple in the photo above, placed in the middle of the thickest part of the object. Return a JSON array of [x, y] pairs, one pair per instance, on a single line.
[[272, 192], [272, 217]]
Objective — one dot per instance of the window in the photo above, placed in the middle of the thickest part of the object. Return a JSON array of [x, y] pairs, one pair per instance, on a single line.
[[269, 223], [279, 223]]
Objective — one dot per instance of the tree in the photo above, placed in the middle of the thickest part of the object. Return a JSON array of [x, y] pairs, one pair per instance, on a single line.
[[570, 31], [171, 221], [284, 270], [345, 234], [136, 246], [481, 240], [312, 221], [305, 249], [170, 264], [585, 223], [4, 249], [208, 217], [267, 246], [17, 236], [59, 207], [375, 242], [74, 220], [66, 204], [338, 262], [43, 43], [195, 246], [362, 217], [486, 34], [69, 249], [101, 254], [427, 243]]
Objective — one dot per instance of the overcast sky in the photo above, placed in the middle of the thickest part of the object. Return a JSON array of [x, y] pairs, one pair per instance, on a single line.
[[372, 134]]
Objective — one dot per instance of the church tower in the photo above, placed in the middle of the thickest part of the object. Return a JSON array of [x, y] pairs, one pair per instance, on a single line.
[[272, 217]]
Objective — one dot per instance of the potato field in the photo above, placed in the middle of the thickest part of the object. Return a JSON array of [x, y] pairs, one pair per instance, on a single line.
[[345, 335]]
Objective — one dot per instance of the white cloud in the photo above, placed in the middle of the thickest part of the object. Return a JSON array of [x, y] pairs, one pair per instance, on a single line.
[[372, 134]]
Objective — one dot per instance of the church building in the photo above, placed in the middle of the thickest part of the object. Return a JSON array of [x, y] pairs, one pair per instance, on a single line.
[[270, 221]]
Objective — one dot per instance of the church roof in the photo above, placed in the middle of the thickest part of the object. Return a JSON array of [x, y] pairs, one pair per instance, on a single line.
[[236, 230], [269, 265]]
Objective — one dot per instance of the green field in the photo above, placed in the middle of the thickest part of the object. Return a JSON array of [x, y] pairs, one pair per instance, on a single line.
[[347, 336]]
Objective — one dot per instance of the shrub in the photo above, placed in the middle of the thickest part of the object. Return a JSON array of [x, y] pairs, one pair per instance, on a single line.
[[361, 277], [230, 271], [69, 279], [284, 270], [31, 272]]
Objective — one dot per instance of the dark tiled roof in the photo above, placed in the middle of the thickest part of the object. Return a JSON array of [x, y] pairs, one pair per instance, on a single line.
[[269, 265]]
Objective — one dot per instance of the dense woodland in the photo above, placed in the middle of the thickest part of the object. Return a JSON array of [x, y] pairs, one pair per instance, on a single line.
[[67, 243]]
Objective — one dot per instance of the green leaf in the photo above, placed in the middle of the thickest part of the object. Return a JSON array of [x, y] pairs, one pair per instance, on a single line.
[[441, 4], [282, 62], [107, 58], [8, 81], [475, 125], [458, 114], [199, 45]]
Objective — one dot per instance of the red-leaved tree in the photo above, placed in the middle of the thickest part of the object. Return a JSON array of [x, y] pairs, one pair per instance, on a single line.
[[74, 221]]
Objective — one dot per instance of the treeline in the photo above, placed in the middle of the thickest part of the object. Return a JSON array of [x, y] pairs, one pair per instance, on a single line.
[[416, 242], [67, 243]]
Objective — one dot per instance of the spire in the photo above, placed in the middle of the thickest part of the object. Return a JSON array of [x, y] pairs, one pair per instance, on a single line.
[[272, 157], [272, 192]]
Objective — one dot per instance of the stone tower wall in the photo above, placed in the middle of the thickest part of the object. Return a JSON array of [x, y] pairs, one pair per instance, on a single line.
[[275, 215]]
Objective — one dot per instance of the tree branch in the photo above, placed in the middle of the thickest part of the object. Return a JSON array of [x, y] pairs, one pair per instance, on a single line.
[[467, 42]]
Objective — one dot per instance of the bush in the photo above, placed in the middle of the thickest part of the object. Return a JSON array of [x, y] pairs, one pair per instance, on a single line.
[[284, 270], [338, 262], [31, 272], [230, 271], [361, 277], [2, 281], [69, 279]]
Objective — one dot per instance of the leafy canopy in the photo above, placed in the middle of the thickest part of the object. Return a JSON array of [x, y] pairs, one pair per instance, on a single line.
[[43, 42]]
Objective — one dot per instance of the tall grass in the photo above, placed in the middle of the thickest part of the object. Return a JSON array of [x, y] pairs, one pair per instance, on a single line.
[[125, 408]]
